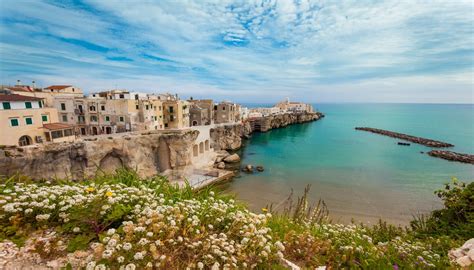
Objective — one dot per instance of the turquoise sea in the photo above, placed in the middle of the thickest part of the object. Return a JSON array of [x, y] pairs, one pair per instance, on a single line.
[[358, 174]]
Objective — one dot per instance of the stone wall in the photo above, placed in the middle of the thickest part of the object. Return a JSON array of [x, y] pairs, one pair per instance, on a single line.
[[148, 153]]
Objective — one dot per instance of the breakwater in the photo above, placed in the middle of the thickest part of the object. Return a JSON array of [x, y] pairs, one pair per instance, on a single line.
[[452, 156], [414, 139]]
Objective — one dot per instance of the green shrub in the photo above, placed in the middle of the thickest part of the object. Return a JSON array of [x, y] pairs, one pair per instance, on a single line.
[[455, 219]]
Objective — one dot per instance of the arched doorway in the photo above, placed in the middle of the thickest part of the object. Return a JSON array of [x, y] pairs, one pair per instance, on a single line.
[[195, 123], [94, 131], [108, 130], [25, 140], [206, 145], [195, 150], [201, 147]]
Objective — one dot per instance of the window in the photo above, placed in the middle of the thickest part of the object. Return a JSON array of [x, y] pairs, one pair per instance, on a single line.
[[136, 97], [171, 109], [102, 107], [14, 122], [40, 104], [146, 107], [223, 108], [28, 105], [215, 108], [160, 108], [63, 106], [64, 117], [67, 132], [28, 121], [137, 107], [121, 119], [56, 134], [121, 96], [171, 118], [6, 105], [44, 118], [107, 118], [81, 119], [92, 108], [93, 118], [73, 90]]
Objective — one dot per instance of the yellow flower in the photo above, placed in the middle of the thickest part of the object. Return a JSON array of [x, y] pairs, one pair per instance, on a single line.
[[89, 189], [264, 209], [109, 194]]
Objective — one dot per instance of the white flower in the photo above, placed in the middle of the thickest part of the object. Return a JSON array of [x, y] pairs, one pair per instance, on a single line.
[[42, 217], [216, 265], [200, 265], [127, 246], [149, 234], [279, 245], [138, 256], [162, 257], [110, 231], [130, 266], [107, 253], [28, 211], [76, 229], [120, 259]]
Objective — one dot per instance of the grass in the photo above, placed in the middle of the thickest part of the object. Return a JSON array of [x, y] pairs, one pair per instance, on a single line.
[[124, 221]]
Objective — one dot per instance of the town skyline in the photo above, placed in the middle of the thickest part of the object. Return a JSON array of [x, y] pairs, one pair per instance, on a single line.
[[245, 52]]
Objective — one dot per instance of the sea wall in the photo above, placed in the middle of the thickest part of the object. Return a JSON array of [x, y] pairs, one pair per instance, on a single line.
[[149, 154], [229, 137]]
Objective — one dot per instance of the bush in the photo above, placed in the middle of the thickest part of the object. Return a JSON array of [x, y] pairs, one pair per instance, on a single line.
[[455, 219]]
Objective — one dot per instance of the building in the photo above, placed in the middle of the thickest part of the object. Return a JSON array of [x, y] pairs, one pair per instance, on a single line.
[[48, 94], [266, 111], [25, 121], [287, 106], [176, 114], [201, 112], [226, 112]]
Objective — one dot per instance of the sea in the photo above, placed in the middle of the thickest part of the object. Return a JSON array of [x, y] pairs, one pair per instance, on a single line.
[[361, 176]]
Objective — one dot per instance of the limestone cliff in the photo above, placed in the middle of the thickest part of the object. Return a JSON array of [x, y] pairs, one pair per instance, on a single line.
[[229, 137], [149, 154]]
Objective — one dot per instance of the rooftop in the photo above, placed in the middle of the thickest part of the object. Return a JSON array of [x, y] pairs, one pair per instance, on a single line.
[[15, 97], [58, 87]]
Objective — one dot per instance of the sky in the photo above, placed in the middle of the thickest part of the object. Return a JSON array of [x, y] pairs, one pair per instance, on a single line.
[[246, 51]]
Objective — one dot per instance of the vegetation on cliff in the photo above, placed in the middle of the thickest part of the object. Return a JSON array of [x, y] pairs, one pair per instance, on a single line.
[[123, 222]]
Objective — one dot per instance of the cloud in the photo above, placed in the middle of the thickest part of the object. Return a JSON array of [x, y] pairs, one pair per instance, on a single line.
[[245, 50]]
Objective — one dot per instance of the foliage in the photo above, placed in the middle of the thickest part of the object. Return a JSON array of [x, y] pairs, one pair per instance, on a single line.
[[456, 219], [125, 222]]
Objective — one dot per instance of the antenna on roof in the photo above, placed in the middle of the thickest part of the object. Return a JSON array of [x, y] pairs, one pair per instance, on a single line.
[[33, 84], [18, 82]]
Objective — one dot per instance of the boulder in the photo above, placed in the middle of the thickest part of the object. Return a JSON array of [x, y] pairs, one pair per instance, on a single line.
[[248, 168], [220, 165], [232, 158], [260, 168]]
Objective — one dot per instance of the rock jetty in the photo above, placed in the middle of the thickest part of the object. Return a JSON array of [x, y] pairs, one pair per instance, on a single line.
[[414, 139], [453, 156]]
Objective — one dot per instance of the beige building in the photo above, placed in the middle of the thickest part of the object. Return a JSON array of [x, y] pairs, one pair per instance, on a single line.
[[201, 112], [25, 121], [226, 112], [287, 106], [48, 94], [176, 114]]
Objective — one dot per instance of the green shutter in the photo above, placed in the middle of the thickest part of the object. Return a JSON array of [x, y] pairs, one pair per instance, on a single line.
[[14, 122], [44, 118], [29, 121], [40, 103], [28, 105], [107, 119], [6, 105]]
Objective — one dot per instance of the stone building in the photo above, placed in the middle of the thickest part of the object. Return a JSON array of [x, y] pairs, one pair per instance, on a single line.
[[25, 121], [201, 112], [226, 112], [287, 106], [176, 114]]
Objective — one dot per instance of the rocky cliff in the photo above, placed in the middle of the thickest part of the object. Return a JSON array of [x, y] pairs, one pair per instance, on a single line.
[[229, 137], [149, 154]]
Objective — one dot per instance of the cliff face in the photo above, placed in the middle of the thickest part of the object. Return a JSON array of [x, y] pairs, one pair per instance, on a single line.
[[149, 154], [229, 137]]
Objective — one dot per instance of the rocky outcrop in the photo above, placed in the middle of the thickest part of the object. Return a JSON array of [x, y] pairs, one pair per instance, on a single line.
[[229, 137], [148, 154], [452, 156], [232, 158]]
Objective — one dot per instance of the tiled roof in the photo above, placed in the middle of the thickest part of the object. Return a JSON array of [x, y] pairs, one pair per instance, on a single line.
[[20, 88], [58, 87], [56, 126], [15, 97]]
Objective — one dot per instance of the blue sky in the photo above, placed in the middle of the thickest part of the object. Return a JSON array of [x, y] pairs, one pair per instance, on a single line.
[[247, 51]]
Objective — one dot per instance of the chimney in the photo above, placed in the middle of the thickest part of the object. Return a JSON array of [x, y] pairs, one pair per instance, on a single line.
[[18, 82], [33, 84]]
